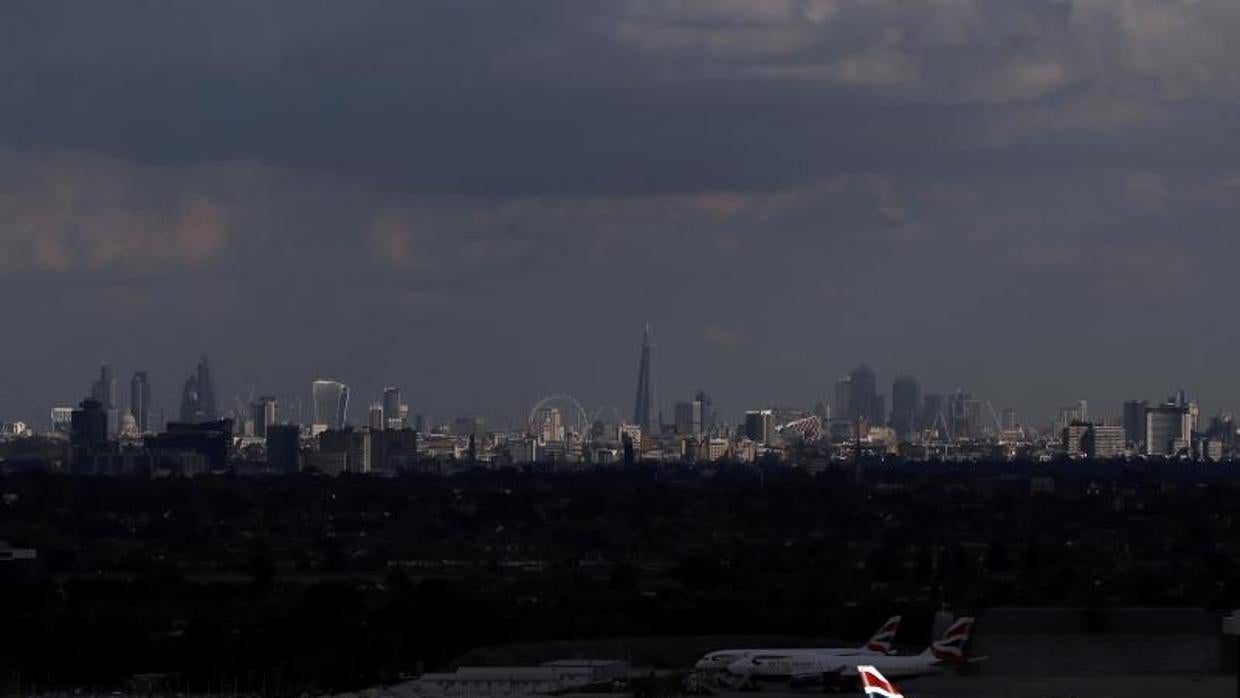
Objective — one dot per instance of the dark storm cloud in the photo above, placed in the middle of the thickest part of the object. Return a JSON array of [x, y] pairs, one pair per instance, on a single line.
[[427, 193], [505, 98]]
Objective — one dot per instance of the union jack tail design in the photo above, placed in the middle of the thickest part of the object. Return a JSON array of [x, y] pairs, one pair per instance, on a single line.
[[885, 637], [876, 685], [955, 641]]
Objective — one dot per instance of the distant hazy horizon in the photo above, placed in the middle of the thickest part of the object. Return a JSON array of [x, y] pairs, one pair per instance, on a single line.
[[166, 399], [483, 202]]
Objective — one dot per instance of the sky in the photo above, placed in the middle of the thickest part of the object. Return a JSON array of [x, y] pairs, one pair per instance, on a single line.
[[484, 201]]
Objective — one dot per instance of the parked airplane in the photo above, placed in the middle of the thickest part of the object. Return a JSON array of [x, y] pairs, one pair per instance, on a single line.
[[881, 643], [800, 670], [875, 684]]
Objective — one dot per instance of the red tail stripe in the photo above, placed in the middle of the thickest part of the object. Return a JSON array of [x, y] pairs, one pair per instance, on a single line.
[[959, 630], [872, 681]]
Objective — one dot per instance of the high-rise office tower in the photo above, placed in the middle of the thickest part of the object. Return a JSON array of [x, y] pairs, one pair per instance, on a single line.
[[1180, 399], [331, 403], [646, 411], [374, 419], [703, 414], [1007, 419], [1074, 436], [206, 392], [1105, 441], [264, 412], [760, 425], [841, 409], [682, 419], [905, 405], [89, 424], [189, 401], [88, 432], [354, 443], [104, 389], [1194, 413], [863, 402], [140, 401], [1168, 428], [198, 396], [1134, 421], [391, 409], [284, 448]]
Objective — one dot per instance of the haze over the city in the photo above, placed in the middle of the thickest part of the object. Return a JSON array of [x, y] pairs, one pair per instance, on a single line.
[[484, 202]]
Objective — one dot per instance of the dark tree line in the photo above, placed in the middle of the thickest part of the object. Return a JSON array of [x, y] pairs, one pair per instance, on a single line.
[[286, 584]]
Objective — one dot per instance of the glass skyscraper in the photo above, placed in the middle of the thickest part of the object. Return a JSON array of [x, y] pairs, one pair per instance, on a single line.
[[331, 403]]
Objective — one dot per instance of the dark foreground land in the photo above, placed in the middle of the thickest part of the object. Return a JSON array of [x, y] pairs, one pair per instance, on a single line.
[[279, 585]]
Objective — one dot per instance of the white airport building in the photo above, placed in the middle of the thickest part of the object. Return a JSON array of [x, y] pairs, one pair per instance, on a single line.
[[560, 678]]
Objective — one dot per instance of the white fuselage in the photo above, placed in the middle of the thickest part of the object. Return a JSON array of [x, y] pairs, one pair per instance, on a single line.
[[722, 660], [785, 666]]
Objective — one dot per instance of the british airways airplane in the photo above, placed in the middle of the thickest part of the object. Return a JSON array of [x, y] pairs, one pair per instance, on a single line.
[[880, 644], [799, 670]]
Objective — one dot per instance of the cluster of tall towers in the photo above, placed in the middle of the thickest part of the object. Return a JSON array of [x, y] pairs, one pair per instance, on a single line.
[[105, 392], [956, 415], [200, 404], [198, 401]]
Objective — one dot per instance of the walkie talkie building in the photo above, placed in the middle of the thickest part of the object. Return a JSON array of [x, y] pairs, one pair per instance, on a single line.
[[331, 403]]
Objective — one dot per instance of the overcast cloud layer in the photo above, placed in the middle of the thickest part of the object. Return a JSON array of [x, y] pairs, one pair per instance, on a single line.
[[482, 201]]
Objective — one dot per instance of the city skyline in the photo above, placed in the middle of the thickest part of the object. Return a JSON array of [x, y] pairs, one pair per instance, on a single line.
[[483, 349], [859, 385], [1007, 198]]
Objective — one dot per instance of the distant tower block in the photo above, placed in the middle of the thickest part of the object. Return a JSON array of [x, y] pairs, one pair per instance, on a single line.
[[206, 391], [392, 416], [140, 401], [905, 405], [265, 413], [331, 403], [646, 410], [198, 395]]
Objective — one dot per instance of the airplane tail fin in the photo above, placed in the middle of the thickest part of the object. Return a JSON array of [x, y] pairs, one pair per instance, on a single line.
[[883, 640], [876, 685], [953, 647]]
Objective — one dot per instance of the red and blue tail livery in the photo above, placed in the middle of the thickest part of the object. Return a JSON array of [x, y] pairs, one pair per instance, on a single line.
[[885, 638], [875, 684], [955, 641]]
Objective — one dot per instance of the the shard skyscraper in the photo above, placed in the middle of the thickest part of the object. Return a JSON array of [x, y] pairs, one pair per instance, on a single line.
[[646, 412]]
